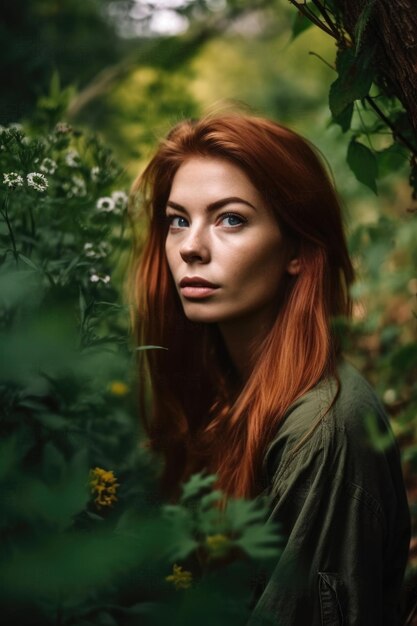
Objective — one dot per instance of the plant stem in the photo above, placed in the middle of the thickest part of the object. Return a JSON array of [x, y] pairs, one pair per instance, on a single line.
[[314, 54], [365, 130], [327, 18], [310, 16], [10, 229], [390, 125], [32, 229]]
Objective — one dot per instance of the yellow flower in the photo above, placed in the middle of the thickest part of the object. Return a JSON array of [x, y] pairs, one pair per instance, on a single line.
[[104, 486], [181, 578], [217, 545], [118, 388]]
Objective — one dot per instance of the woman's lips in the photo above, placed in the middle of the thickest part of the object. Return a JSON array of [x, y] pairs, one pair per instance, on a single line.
[[195, 291], [196, 287]]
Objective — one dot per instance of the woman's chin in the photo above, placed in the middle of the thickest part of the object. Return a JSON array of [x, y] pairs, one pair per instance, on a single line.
[[201, 318], [201, 314]]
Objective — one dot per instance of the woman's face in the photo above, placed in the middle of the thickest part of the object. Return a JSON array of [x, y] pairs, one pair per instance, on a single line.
[[224, 246]]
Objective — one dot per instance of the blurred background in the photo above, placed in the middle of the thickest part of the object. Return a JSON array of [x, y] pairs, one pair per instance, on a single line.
[[125, 71]]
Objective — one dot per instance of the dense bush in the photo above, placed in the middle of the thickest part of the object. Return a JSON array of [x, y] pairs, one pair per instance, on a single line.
[[85, 539]]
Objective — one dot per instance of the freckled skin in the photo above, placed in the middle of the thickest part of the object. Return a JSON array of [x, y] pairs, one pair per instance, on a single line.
[[242, 252]]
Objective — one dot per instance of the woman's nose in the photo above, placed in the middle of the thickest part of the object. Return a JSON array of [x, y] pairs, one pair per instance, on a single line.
[[194, 247]]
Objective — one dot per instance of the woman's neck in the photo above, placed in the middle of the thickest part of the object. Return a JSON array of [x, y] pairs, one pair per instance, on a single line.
[[243, 339]]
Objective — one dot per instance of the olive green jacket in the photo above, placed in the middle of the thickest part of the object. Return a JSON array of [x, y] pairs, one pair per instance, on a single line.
[[335, 487]]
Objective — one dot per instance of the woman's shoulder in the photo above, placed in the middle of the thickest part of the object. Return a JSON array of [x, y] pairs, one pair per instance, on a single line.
[[339, 416], [337, 437]]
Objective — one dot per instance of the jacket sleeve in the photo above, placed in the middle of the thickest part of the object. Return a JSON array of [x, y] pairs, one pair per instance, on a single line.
[[337, 538]]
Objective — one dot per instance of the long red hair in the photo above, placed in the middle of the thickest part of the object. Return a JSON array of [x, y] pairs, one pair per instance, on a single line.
[[196, 423]]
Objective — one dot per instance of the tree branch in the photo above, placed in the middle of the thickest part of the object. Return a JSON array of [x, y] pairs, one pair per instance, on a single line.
[[327, 18], [390, 125], [310, 16]]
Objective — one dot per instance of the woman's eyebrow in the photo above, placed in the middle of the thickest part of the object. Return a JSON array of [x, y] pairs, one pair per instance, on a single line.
[[213, 206]]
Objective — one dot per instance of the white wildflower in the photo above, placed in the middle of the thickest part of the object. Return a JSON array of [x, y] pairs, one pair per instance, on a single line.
[[63, 128], [105, 204], [12, 180], [95, 173], [96, 252], [37, 180], [104, 248], [78, 188], [13, 131], [72, 158], [390, 396], [95, 277], [48, 166], [120, 200]]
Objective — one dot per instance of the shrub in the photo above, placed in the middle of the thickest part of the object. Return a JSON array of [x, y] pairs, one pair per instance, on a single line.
[[84, 538]]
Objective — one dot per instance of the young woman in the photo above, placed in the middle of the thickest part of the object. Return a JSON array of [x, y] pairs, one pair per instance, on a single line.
[[244, 273]]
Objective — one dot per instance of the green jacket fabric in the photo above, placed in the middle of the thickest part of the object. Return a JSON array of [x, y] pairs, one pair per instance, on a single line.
[[335, 487]]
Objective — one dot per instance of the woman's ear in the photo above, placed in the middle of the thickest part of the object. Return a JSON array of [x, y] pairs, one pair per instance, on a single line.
[[294, 266]]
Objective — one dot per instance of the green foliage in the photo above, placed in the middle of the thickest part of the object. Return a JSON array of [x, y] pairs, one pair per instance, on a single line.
[[391, 159], [382, 338], [357, 70], [301, 23], [354, 80], [241, 523], [85, 539], [362, 23], [363, 163], [40, 36], [66, 375]]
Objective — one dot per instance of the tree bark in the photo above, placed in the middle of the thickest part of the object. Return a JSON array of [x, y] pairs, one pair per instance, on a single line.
[[392, 28]]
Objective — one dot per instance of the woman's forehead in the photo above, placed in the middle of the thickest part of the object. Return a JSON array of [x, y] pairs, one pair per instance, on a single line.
[[211, 177]]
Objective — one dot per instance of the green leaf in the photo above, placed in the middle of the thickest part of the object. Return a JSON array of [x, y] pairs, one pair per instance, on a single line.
[[12, 451], [241, 513], [300, 23], [195, 485], [362, 23], [51, 421], [29, 262], [83, 306], [353, 82], [363, 164], [344, 119], [391, 159], [261, 542], [212, 497], [54, 464], [181, 526], [70, 266], [258, 538]]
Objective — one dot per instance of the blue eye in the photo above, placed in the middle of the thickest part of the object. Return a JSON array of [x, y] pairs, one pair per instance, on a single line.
[[231, 220], [177, 221]]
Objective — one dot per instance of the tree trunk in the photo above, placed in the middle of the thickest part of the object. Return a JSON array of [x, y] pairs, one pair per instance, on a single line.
[[392, 27]]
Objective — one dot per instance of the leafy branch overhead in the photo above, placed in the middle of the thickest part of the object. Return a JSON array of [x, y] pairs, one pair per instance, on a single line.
[[376, 84]]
